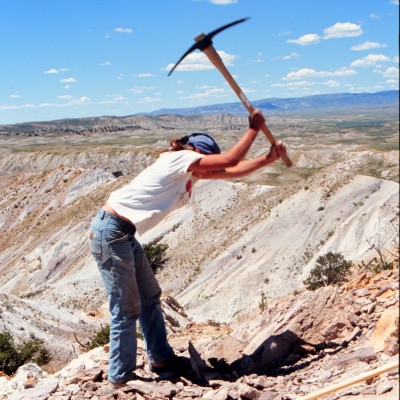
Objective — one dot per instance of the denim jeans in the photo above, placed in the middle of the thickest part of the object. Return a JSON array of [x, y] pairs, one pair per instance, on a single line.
[[133, 293]]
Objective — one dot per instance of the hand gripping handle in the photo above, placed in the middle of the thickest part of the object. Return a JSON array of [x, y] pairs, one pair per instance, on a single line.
[[216, 60]]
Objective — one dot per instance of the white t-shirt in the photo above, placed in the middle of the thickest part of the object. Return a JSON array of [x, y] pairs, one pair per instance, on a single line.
[[159, 189]]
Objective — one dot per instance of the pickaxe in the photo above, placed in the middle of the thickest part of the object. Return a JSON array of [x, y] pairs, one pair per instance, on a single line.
[[205, 44]]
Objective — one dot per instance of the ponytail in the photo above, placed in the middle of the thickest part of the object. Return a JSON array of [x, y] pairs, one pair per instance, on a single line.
[[180, 144]]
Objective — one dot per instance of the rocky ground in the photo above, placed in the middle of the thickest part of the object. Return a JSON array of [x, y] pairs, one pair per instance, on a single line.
[[296, 347]]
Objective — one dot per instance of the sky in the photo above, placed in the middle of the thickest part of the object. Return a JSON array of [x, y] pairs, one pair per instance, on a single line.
[[85, 58]]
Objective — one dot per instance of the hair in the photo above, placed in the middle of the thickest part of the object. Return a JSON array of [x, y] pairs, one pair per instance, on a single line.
[[180, 144], [177, 145]]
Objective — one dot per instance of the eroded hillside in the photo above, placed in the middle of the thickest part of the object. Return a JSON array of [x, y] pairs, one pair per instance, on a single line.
[[236, 242]]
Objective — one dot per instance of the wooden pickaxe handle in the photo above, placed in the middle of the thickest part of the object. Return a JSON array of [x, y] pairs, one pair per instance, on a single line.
[[351, 381], [216, 60]]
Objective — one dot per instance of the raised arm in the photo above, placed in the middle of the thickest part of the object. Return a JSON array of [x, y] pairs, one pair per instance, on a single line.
[[245, 167], [218, 162]]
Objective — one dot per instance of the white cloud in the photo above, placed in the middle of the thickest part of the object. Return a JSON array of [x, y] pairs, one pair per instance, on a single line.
[[305, 40], [391, 73], [312, 73], [223, 2], [290, 56], [395, 2], [55, 70], [141, 89], [356, 88], [143, 75], [302, 88], [136, 90], [115, 98], [332, 83], [200, 62], [14, 96], [6, 107], [342, 30], [51, 71], [80, 101], [259, 58], [65, 97], [338, 30], [123, 30], [294, 84], [374, 16], [305, 84], [209, 93], [105, 63], [68, 80], [367, 46], [370, 60], [149, 100]]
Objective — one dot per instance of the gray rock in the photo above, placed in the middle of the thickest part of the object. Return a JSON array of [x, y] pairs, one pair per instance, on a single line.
[[40, 392], [366, 354], [384, 387], [218, 394]]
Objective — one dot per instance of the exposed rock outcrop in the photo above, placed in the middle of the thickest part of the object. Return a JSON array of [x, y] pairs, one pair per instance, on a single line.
[[296, 346]]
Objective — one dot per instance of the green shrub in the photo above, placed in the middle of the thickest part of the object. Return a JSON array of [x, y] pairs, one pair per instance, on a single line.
[[102, 337], [262, 305], [13, 356], [330, 269], [34, 351], [155, 252], [8, 354], [376, 266]]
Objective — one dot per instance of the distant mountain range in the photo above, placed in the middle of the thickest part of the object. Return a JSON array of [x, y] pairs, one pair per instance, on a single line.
[[307, 103], [343, 102]]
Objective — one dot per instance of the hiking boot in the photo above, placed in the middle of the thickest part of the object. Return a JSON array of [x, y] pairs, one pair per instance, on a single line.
[[176, 364], [123, 386]]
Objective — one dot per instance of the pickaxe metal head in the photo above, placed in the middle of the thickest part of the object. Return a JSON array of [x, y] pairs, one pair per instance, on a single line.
[[206, 41]]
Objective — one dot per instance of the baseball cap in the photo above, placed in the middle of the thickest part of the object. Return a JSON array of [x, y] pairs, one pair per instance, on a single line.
[[204, 142]]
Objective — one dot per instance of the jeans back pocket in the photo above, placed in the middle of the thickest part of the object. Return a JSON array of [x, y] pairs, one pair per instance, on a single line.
[[95, 243]]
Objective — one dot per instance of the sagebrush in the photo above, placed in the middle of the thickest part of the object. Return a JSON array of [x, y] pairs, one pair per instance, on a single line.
[[13, 356], [330, 269]]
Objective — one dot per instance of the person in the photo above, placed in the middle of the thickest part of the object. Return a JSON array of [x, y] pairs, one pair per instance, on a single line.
[[133, 291]]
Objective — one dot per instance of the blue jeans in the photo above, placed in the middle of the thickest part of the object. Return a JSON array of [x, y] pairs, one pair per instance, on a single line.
[[133, 293]]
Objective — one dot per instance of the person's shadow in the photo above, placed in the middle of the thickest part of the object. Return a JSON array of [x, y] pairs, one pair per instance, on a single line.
[[278, 355]]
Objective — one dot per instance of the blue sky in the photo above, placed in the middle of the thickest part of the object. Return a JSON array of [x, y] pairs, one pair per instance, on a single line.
[[84, 58]]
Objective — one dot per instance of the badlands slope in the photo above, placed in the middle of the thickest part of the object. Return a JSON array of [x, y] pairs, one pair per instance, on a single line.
[[236, 242]]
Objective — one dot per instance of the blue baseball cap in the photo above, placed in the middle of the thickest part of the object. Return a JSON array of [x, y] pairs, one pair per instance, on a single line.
[[203, 142]]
